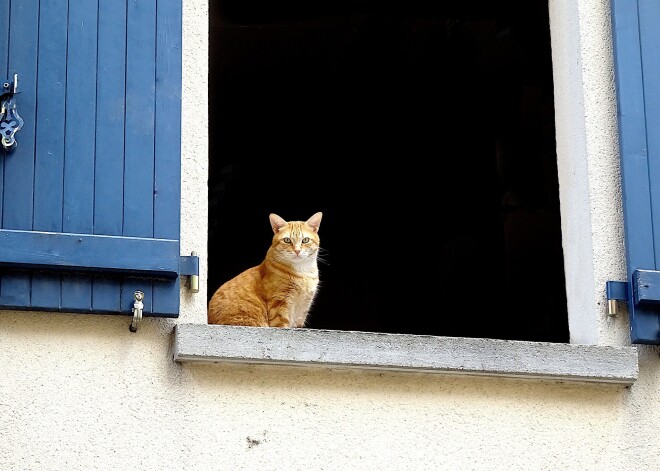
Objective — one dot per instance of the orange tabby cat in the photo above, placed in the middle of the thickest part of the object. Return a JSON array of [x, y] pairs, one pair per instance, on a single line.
[[279, 292]]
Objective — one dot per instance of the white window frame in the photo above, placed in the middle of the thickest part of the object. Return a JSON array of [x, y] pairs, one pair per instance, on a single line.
[[592, 237]]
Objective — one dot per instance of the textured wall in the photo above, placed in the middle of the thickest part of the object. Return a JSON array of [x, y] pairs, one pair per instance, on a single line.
[[87, 394], [81, 392], [195, 132]]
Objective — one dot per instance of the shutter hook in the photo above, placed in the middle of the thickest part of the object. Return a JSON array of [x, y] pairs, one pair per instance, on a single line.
[[138, 305]]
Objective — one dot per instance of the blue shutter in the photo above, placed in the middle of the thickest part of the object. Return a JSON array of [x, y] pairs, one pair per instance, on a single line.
[[90, 195], [636, 32]]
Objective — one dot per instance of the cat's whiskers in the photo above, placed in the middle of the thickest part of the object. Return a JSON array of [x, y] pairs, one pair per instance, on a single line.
[[320, 255]]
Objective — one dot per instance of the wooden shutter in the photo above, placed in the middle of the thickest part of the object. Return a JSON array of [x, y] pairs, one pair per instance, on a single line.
[[636, 31], [90, 196]]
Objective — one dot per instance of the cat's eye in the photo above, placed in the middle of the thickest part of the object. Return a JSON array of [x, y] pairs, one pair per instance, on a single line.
[[287, 240], [305, 240]]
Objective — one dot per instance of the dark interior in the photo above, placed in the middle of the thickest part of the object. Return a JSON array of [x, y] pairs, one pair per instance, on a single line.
[[424, 132]]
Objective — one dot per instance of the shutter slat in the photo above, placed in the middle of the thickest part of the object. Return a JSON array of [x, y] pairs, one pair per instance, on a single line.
[[4, 57], [85, 252], [4, 50], [140, 119], [19, 163], [168, 146], [109, 178], [76, 293], [80, 139], [49, 157], [105, 294], [168, 122], [51, 93], [110, 118], [46, 291]]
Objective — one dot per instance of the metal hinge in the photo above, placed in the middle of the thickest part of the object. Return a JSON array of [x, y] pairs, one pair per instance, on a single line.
[[616, 291], [189, 266]]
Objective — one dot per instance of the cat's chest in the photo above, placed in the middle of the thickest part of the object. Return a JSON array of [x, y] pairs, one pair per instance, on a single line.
[[297, 284], [304, 278], [303, 287], [301, 302], [301, 293]]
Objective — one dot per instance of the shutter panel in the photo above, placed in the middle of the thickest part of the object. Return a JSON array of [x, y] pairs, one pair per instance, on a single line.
[[637, 72], [90, 196]]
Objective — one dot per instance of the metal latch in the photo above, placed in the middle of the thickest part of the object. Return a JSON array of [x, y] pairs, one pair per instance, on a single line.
[[10, 121], [138, 306]]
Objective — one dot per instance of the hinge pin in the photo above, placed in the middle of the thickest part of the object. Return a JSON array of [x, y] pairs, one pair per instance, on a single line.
[[194, 279], [138, 306], [612, 308]]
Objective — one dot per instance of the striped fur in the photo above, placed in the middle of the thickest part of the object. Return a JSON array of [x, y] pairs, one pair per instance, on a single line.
[[280, 291]]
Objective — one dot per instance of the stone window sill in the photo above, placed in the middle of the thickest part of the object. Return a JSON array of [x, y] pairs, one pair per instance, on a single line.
[[402, 352]]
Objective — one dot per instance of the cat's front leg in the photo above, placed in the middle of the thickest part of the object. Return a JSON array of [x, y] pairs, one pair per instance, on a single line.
[[300, 321], [279, 314], [299, 317]]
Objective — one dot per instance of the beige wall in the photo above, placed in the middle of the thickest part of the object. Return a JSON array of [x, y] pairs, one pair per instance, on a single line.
[[82, 392]]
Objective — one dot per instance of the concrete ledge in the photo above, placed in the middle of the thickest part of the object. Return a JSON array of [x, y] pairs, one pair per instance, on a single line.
[[400, 352]]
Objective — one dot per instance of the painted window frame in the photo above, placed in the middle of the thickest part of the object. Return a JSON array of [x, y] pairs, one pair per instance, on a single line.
[[599, 349]]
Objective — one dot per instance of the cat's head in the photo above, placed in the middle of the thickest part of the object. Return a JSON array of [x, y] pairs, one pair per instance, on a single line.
[[295, 241]]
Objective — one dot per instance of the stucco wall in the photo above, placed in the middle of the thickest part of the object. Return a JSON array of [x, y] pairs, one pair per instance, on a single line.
[[82, 392]]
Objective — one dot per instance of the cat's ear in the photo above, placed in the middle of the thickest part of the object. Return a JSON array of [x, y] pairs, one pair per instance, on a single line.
[[315, 221], [276, 222]]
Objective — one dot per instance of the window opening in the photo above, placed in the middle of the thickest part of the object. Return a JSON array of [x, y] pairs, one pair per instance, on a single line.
[[423, 130]]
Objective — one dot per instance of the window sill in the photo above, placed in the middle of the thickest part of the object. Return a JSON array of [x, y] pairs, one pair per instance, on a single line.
[[401, 352]]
